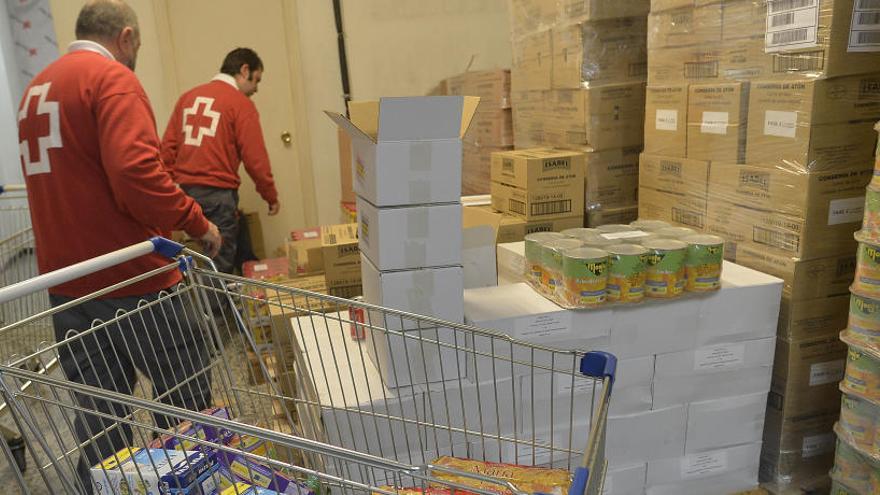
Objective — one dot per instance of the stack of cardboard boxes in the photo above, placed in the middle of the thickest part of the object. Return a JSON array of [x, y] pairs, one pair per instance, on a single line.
[[491, 129], [758, 128], [331, 250], [407, 175], [577, 83]]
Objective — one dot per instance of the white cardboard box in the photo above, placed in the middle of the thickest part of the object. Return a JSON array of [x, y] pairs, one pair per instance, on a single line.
[[511, 262], [426, 352], [408, 150], [728, 470], [721, 423], [713, 372], [746, 307], [404, 238], [626, 480], [646, 436]]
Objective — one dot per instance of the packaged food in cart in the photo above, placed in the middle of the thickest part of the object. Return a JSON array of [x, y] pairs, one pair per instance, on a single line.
[[153, 471], [200, 431], [526, 478], [259, 475]]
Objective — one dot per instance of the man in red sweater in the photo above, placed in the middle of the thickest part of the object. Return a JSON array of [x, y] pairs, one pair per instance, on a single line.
[[90, 156], [214, 128]]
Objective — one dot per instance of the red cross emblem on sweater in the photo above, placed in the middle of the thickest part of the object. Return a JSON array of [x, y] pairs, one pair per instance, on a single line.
[[198, 124], [40, 127]]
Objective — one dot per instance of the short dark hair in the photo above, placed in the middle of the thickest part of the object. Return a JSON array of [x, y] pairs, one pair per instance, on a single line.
[[104, 19], [238, 57]]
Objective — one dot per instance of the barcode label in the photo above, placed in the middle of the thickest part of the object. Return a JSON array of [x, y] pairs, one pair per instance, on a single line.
[[516, 206], [701, 70], [864, 33], [799, 62], [791, 24], [786, 241], [688, 217], [551, 207], [331, 238]]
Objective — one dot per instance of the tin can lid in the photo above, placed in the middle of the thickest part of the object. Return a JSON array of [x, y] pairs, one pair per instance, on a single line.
[[627, 249], [665, 245], [585, 253], [704, 239]]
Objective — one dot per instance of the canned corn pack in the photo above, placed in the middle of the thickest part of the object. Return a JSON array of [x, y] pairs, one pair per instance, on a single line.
[[665, 275], [626, 273], [862, 375], [677, 233], [649, 225], [871, 222], [857, 421], [533, 254], [551, 262], [864, 320], [867, 278], [584, 277], [703, 262]]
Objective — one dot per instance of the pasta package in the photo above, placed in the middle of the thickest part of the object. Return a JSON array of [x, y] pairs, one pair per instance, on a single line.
[[527, 479]]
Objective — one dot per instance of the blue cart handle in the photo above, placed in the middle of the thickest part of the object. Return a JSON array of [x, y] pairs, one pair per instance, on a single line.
[[159, 245], [598, 364]]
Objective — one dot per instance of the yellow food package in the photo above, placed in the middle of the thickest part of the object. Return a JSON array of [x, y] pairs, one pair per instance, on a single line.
[[527, 479]]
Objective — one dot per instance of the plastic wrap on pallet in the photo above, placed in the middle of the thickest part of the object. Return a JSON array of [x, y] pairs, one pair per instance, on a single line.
[[529, 16], [599, 52], [798, 448], [475, 167], [698, 40]]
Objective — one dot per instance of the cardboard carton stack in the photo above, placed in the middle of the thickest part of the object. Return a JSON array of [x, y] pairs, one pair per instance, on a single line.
[[407, 176], [577, 83], [331, 250], [491, 129], [758, 129]]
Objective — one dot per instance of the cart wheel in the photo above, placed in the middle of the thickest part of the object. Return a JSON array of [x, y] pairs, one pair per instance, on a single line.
[[16, 446]]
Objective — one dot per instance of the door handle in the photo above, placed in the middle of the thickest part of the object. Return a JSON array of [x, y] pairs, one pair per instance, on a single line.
[[286, 138]]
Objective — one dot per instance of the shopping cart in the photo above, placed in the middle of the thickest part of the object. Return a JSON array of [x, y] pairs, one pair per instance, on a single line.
[[18, 262], [312, 412]]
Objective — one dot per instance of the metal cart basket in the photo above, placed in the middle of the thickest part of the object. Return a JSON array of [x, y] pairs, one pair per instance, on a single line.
[[235, 382]]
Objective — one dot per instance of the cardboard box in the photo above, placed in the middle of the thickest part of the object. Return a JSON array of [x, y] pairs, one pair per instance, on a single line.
[[604, 117], [666, 109], [729, 470], [676, 65], [798, 447], [813, 318], [713, 372], [723, 423], [599, 52], [591, 10], [418, 356], [528, 16], [410, 237], [778, 233], [612, 178], [624, 480], [529, 118], [802, 280], [345, 176], [511, 258], [837, 196], [661, 5], [492, 86], [675, 175], [266, 269], [304, 251], [745, 58], [813, 124], [476, 163], [532, 169], [684, 27], [408, 150], [605, 216], [646, 436], [532, 67], [674, 208], [541, 203], [491, 128], [513, 229], [716, 122], [806, 376], [255, 232], [341, 255]]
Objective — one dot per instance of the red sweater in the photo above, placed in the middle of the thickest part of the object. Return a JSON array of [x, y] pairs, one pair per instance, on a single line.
[[215, 127], [90, 155]]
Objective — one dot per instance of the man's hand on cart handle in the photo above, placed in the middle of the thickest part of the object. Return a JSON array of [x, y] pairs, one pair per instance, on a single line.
[[211, 241], [273, 208]]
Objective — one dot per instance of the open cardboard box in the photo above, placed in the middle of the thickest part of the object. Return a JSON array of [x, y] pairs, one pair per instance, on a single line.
[[407, 150]]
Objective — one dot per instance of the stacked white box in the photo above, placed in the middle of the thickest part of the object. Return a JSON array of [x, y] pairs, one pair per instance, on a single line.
[[406, 159], [712, 359]]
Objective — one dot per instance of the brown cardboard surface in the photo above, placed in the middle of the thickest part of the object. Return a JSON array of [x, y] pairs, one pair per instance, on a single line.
[[255, 231], [492, 86], [587, 10], [806, 375], [476, 164], [538, 167], [532, 62], [603, 216], [742, 19], [539, 203], [716, 121], [491, 128], [792, 191], [661, 5], [796, 447], [687, 26], [599, 52], [815, 125], [528, 16], [682, 176], [605, 117], [786, 235], [512, 229], [529, 117], [342, 261], [700, 63], [812, 318], [666, 109], [676, 208], [612, 178], [745, 58], [345, 175]]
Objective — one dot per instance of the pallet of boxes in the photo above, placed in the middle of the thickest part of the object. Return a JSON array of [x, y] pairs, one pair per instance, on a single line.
[[578, 83], [758, 128]]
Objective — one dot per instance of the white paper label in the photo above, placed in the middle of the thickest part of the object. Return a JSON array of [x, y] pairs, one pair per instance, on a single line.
[[817, 445], [714, 123], [666, 120], [864, 32], [846, 210], [780, 124], [545, 325], [261, 268], [310, 235], [624, 235], [791, 24], [703, 465], [719, 357], [830, 372]]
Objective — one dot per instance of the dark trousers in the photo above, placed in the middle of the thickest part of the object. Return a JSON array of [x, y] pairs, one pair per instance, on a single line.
[[164, 342], [220, 206]]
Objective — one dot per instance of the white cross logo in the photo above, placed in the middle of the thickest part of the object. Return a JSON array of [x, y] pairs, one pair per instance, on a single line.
[[203, 131], [28, 124]]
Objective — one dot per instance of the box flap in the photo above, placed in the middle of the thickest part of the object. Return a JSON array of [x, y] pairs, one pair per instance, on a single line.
[[424, 117], [365, 115], [348, 126], [467, 113], [473, 217]]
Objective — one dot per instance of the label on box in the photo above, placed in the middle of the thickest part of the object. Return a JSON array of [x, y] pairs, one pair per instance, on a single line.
[[546, 325], [780, 124], [714, 123], [846, 210], [703, 465], [817, 445], [791, 24], [261, 267], [624, 235], [864, 32], [666, 120], [719, 357], [830, 372]]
